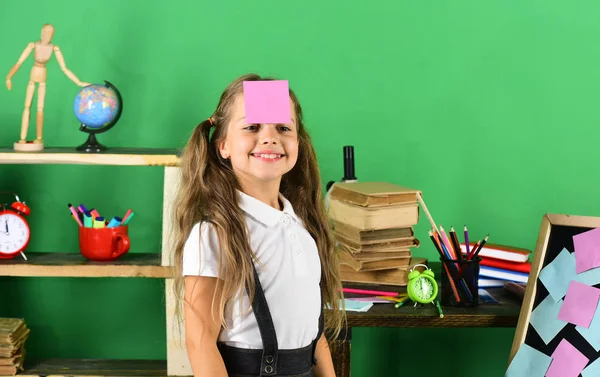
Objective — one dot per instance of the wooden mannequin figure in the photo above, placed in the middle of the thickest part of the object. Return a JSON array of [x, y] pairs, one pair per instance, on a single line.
[[42, 53]]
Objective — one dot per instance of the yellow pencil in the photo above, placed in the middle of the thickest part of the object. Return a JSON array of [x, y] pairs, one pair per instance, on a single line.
[[400, 303], [395, 299]]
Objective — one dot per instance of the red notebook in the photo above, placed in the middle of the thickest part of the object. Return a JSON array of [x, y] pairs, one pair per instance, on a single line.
[[506, 265], [503, 252]]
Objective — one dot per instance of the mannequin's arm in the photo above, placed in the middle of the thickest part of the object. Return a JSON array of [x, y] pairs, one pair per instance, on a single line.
[[16, 67], [63, 67]]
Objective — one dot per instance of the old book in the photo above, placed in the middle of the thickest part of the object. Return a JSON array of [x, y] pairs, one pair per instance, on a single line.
[[10, 370], [373, 194], [396, 276], [378, 250], [378, 255], [16, 359], [10, 329], [375, 235], [366, 218], [404, 243], [12, 349], [348, 259], [13, 360]]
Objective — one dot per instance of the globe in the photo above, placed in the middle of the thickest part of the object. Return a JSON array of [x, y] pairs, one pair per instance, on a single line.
[[98, 108]]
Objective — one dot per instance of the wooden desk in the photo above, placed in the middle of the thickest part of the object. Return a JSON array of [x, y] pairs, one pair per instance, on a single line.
[[504, 314]]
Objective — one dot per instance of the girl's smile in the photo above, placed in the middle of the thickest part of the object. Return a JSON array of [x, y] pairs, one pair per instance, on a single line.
[[268, 156]]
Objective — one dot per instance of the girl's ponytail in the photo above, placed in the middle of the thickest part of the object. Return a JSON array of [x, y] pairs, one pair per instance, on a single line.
[[195, 159]]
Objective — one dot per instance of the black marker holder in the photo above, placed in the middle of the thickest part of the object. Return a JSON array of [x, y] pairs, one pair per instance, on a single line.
[[464, 276]]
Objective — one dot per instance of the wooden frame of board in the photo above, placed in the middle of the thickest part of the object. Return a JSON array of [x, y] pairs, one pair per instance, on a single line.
[[548, 221]]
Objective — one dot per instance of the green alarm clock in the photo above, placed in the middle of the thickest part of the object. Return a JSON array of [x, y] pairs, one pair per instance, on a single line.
[[422, 287]]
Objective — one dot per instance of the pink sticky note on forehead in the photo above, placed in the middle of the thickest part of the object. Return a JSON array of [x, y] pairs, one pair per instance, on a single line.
[[267, 101]]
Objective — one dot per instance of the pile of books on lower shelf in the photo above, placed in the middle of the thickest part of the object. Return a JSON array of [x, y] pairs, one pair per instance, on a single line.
[[501, 264], [373, 228], [13, 334]]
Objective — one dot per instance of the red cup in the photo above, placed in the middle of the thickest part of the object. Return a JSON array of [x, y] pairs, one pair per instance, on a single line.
[[103, 244]]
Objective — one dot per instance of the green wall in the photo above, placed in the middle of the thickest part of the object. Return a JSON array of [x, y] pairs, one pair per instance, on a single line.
[[488, 107]]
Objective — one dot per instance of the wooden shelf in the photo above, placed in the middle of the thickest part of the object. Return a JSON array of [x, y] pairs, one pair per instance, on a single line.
[[113, 156], [94, 367], [75, 265]]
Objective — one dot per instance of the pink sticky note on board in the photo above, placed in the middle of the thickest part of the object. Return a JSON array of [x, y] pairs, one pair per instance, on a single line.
[[580, 304], [567, 361], [267, 101], [587, 250]]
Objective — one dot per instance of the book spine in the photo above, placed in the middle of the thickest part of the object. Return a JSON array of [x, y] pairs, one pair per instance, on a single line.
[[498, 273]]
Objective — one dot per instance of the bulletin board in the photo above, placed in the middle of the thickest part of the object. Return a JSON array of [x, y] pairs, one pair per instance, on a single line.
[[558, 332]]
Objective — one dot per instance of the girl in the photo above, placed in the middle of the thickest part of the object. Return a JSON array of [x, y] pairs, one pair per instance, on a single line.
[[254, 255]]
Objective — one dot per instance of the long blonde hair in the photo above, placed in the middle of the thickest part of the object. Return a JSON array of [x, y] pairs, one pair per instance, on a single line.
[[207, 192]]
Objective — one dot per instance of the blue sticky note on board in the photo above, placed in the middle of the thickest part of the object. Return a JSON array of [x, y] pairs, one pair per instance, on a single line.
[[592, 370], [267, 102], [528, 362], [592, 333], [544, 319], [589, 277], [557, 275]]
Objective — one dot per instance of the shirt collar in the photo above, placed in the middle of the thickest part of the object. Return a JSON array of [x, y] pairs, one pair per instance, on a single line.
[[264, 213]]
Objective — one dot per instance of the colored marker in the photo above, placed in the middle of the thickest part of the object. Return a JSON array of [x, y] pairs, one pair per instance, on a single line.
[[99, 222], [88, 221], [76, 220], [114, 222], [74, 213], [128, 218], [95, 213]]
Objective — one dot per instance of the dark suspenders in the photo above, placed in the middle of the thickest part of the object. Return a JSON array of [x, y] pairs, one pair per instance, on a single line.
[[267, 329], [268, 365], [321, 325]]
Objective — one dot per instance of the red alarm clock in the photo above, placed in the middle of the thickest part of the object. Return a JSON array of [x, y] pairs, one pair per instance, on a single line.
[[14, 229]]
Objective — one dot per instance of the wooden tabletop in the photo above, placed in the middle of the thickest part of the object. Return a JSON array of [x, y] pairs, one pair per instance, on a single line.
[[503, 314]]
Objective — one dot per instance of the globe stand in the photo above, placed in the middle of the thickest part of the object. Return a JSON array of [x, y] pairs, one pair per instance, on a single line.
[[92, 144]]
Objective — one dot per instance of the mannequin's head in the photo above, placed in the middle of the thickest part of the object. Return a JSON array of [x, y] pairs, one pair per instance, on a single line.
[[47, 33]]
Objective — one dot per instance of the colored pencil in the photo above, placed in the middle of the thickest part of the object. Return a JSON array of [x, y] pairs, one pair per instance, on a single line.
[[369, 292], [439, 308], [455, 243], [480, 247], [399, 304], [433, 226], [467, 242], [394, 299], [475, 246], [462, 281], [439, 249], [446, 242]]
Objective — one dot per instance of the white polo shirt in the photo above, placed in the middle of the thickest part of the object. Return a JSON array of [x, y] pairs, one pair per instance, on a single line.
[[290, 274]]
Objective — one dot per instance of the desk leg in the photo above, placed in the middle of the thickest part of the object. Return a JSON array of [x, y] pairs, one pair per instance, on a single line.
[[340, 353]]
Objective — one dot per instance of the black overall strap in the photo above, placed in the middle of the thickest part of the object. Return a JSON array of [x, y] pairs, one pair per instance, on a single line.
[[321, 319], [319, 332], [268, 363]]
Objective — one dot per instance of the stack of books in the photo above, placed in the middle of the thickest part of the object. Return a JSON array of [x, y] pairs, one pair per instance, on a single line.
[[13, 334], [373, 228], [501, 264]]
